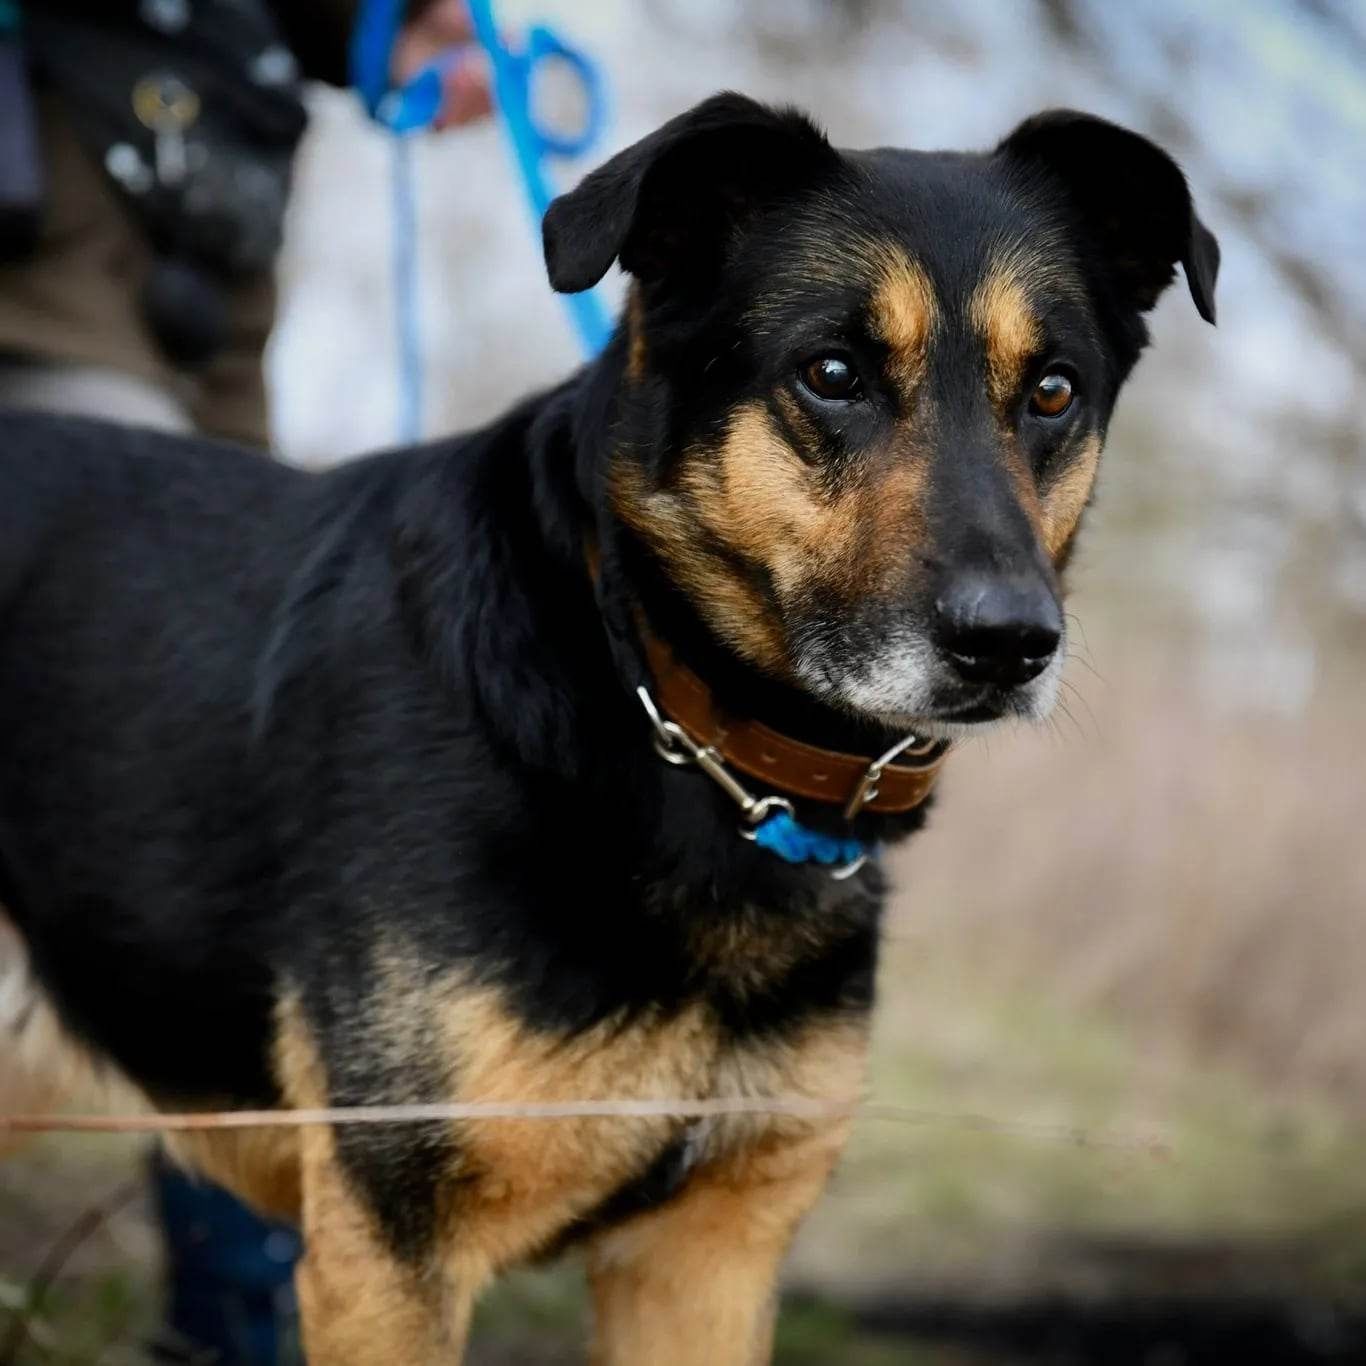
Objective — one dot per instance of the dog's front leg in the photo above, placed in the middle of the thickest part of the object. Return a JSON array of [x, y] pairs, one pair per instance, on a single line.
[[359, 1302], [693, 1282]]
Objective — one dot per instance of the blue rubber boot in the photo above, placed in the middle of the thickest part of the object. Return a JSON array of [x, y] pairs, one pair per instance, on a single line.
[[230, 1276]]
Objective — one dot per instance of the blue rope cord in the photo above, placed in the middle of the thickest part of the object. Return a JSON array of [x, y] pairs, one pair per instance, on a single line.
[[782, 834], [531, 144], [407, 300], [415, 105]]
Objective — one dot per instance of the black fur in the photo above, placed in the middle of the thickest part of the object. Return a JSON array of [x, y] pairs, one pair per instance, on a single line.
[[259, 721]]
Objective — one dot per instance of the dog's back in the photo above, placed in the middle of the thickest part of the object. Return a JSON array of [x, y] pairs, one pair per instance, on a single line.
[[208, 691], [117, 575], [33, 465], [85, 495], [47, 464]]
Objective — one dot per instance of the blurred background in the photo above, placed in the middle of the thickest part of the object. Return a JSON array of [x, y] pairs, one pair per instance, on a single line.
[[1125, 984]]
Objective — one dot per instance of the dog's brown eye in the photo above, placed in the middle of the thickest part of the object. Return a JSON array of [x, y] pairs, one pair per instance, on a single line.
[[831, 378], [1052, 396]]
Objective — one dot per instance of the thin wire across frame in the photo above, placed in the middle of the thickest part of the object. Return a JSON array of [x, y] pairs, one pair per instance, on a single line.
[[1154, 1143]]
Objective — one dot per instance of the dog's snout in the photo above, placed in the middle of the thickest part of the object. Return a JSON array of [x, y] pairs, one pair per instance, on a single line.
[[998, 630]]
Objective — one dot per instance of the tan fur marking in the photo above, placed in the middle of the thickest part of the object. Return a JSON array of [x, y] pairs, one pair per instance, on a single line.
[[754, 494], [904, 312], [523, 1181], [1001, 311], [667, 520], [847, 539], [298, 1067], [764, 499], [1065, 499], [663, 520], [894, 507], [259, 1165], [356, 1302], [42, 1066], [692, 1283]]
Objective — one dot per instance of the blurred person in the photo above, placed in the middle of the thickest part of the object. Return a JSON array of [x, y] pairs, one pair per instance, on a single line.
[[146, 149], [136, 274]]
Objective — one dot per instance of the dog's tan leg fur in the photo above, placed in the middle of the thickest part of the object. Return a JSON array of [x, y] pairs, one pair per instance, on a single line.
[[693, 1283], [356, 1302]]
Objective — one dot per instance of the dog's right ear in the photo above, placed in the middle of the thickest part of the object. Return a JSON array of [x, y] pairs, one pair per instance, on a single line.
[[670, 201], [1131, 199]]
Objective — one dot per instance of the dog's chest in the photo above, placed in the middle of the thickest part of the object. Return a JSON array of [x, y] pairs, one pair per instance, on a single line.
[[538, 1178]]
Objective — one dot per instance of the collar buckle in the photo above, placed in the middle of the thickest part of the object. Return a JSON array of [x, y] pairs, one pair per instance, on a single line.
[[912, 745], [675, 746]]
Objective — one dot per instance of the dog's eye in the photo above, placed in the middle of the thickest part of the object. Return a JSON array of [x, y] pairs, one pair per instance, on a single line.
[[1052, 396], [832, 378]]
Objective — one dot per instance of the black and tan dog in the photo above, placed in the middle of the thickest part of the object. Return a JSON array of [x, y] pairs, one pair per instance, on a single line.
[[350, 788]]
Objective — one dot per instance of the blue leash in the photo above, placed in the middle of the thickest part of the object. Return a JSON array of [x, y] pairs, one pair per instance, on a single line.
[[532, 143], [407, 301], [413, 107]]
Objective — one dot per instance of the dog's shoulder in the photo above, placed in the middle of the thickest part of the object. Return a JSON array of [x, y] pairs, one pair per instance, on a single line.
[[49, 446]]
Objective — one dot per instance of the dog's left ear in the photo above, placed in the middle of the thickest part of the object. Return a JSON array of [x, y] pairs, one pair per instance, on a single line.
[[1130, 198], [668, 205]]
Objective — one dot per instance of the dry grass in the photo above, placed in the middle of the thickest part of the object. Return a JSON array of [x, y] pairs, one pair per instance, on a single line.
[[1147, 924], [1201, 873]]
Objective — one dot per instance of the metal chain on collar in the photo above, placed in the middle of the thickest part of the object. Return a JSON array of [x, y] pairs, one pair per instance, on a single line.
[[675, 746]]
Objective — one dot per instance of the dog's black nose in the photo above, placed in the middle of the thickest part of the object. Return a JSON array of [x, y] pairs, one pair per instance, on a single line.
[[998, 630]]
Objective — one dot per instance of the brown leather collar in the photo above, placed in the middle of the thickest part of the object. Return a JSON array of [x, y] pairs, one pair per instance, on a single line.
[[856, 783]]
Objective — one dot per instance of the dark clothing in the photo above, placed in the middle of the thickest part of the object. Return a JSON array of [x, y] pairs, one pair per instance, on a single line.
[[79, 295], [75, 297]]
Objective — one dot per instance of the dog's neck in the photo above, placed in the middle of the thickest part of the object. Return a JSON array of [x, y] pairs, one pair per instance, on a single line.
[[573, 431], [634, 586], [489, 556], [739, 688]]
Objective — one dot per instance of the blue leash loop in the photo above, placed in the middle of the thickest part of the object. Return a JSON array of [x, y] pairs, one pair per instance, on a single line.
[[768, 821], [412, 107], [784, 835]]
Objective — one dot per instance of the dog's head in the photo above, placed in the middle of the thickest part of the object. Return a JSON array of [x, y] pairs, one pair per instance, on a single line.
[[865, 392]]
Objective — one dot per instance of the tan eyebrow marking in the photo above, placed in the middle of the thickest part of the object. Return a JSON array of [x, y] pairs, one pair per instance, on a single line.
[[904, 311], [1000, 309]]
